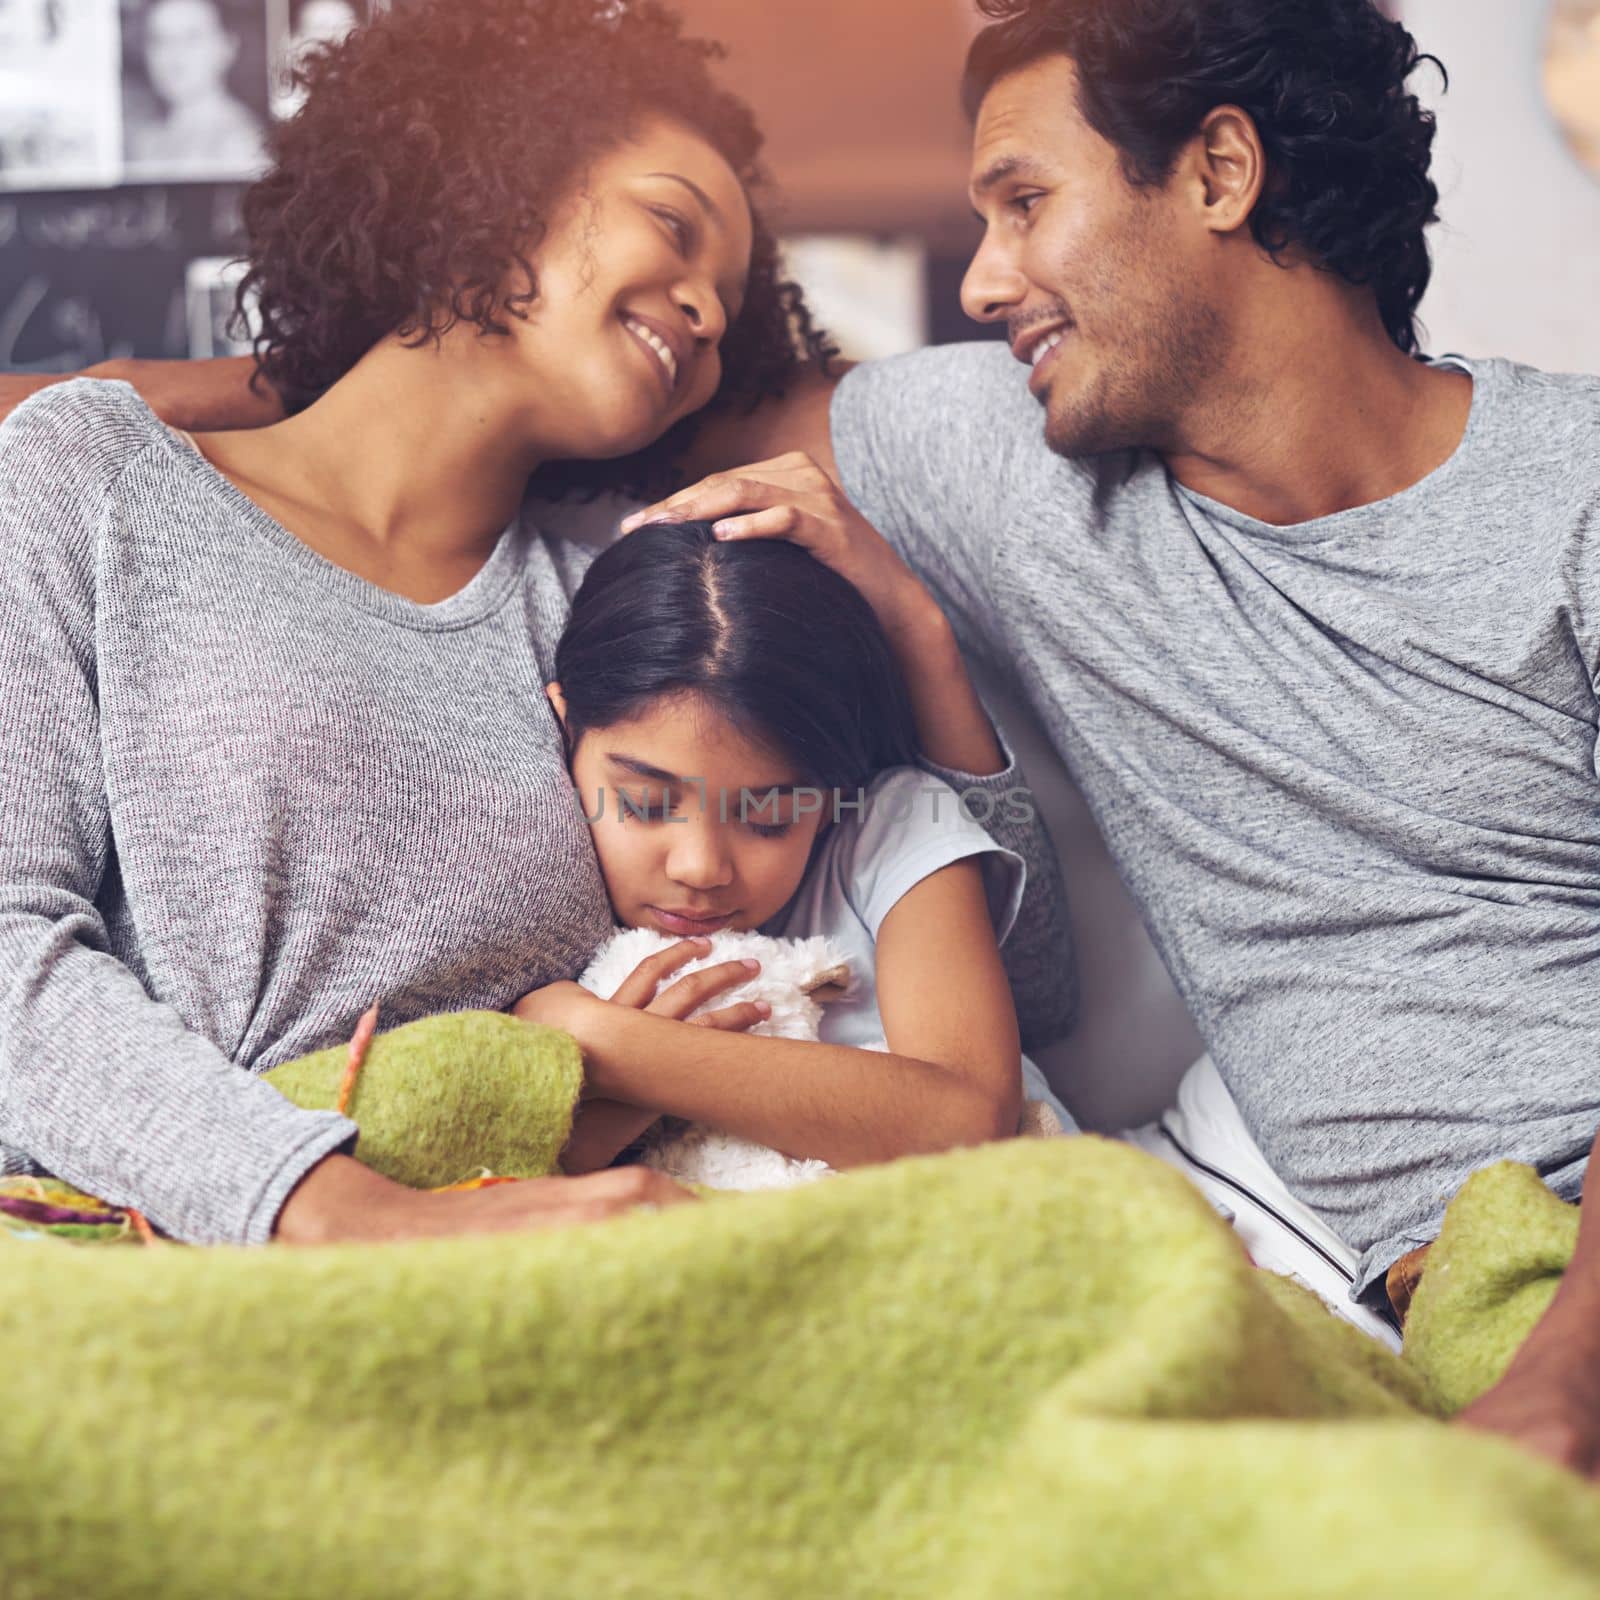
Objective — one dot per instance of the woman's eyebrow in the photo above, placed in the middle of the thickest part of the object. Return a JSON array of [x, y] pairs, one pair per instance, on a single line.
[[707, 203]]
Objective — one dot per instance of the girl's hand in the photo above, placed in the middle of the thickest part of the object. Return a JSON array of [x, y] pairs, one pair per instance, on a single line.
[[584, 1016], [596, 1024], [573, 1008], [679, 999], [792, 498]]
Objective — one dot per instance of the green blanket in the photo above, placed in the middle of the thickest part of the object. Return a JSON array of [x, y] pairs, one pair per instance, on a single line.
[[1038, 1368]]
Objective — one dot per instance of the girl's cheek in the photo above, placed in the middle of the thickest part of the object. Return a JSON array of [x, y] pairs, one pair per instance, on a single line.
[[619, 854], [783, 869]]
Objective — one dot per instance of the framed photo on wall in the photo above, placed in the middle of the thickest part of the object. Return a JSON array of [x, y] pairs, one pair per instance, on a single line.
[[310, 23], [196, 89], [60, 112]]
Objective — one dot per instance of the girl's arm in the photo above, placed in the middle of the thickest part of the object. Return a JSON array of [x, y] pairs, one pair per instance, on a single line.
[[603, 1128], [952, 1077], [601, 1131]]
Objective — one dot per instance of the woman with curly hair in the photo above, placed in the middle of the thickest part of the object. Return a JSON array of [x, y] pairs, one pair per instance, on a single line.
[[275, 739]]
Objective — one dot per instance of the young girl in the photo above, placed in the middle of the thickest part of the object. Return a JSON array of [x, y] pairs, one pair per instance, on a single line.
[[742, 741]]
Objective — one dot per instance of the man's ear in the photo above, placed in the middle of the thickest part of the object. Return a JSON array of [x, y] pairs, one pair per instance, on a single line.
[[1231, 166], [552, 693]]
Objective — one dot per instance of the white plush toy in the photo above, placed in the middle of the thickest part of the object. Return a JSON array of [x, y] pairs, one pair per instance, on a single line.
[[797, 977]]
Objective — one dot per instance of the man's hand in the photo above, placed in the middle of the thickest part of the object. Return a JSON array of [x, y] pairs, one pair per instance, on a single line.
[[1553, 1411], [792, 498], [1549, 1399]]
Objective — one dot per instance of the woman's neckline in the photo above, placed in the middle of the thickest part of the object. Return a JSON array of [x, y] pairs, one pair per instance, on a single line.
[[482, 595]]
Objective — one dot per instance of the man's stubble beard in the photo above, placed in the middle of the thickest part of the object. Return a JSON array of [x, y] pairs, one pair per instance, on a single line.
[[1146, 384]]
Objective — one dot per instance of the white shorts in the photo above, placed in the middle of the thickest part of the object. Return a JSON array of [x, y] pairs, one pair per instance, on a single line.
[[1205, 1138]]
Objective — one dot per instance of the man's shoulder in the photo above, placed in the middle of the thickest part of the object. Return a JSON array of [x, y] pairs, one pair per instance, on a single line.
[[1579, 387], [957, 412], [1544, 411], [954, 385]]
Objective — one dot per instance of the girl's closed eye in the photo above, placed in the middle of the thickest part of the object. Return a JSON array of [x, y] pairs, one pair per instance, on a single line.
[[770, 830], [645, 807]]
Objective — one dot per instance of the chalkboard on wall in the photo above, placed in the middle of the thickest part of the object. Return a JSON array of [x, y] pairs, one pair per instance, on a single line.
[[88, 276], [128, 131]]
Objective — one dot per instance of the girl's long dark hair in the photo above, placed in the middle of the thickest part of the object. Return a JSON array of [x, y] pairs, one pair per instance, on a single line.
[[781, 645]]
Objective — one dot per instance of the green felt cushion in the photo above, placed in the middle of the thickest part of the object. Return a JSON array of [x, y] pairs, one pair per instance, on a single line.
[[449, 1097], [1489, 1277]]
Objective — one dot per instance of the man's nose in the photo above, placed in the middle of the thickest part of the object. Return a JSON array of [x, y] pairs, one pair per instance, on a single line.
[[993, 287]]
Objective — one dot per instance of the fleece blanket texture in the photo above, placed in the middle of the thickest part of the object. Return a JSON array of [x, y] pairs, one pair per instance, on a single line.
[[1038, 1368]]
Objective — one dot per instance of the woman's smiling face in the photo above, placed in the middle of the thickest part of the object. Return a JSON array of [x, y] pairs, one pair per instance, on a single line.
[[640, 273]]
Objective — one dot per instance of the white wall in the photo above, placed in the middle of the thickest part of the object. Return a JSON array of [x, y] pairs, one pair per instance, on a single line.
[[1517, 256]]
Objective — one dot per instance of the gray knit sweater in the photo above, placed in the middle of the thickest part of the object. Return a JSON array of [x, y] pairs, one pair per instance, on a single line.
[[245, 793]]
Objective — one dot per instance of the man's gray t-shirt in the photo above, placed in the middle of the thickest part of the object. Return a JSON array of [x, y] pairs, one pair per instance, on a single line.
[[1347, 768]]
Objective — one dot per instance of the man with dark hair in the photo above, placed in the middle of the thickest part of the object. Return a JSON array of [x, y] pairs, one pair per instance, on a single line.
[[1313, 622]]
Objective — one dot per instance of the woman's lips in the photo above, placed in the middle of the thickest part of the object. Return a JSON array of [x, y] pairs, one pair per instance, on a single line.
[[667, 379], [689, 927]]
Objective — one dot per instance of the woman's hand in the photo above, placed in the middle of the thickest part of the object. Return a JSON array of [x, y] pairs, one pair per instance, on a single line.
[[792, 498], [341, 1201]]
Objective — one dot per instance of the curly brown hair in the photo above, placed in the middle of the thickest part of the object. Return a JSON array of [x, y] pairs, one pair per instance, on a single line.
[[407, 193]]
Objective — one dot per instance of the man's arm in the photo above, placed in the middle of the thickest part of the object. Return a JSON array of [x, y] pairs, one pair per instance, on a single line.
[[1549, 1398], [214, 396], [199, 396], [796, 420]]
